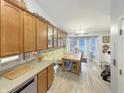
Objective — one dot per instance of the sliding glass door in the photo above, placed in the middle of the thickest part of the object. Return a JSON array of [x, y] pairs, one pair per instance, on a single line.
[[86, 45], [82, 44], [92, 47]]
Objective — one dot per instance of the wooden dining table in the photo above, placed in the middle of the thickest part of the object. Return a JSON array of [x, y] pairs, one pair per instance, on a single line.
[[74, 58]]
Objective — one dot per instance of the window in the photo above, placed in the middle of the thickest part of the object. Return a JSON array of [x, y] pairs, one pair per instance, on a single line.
[[92, 46], [82, 44], [72, 44]]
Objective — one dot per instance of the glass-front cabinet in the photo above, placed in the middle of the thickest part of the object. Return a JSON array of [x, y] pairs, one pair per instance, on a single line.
[[62, 39], [59, 39], [55, 38], [50, 36]]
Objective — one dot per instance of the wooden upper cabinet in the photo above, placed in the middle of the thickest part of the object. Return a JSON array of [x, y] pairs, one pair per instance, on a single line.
[[29, 33], [50, 36], [11, 29], [55, 38], [65, 37], [42, 35], [59, 39]]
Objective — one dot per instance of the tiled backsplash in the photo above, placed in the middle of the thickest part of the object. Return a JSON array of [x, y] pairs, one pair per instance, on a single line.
[[54, 55]]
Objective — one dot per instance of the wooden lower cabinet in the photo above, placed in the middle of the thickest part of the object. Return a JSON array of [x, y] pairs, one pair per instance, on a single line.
[[42, 84], [50, 76], [45, 79]]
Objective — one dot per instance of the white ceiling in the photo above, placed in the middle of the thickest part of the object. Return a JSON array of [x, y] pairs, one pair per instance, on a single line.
[[70, 15]]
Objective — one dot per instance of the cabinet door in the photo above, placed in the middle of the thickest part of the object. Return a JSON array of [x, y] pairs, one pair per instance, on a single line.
[[59, 39], [50, 77], [42, 35], [64, 39], [29, 33], [42, 84], [50, 36], [61, 36], [55, 38], [11, 29]]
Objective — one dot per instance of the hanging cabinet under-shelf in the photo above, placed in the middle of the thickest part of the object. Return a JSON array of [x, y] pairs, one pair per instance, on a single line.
[[42, 35], [11, 29], [29, 32]]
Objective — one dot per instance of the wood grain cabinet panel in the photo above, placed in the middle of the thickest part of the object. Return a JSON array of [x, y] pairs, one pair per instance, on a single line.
[[29, 32], [42, 35], [42, 84], [42, 73], [11, 29], [50, 77]]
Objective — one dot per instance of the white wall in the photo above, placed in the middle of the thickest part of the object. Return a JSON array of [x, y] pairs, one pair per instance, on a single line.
[[101, 56]]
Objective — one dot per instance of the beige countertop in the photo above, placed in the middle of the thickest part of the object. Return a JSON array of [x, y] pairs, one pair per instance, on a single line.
[[7, 85]]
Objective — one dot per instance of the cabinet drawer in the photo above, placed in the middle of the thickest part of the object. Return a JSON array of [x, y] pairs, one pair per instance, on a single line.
[[50, 67], [42, 73]]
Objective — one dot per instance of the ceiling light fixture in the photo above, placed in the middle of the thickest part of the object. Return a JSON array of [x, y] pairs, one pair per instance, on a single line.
[[80, 31]]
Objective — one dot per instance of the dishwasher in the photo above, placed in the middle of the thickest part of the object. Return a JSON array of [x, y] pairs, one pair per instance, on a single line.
[[29, 86]]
